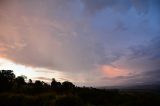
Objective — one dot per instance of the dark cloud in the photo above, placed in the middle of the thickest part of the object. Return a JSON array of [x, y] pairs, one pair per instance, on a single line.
[[141, 61], [142, 6], [152, 76], [93, 6], [144, 61], [149, 53], [129, 77], [57, 35]]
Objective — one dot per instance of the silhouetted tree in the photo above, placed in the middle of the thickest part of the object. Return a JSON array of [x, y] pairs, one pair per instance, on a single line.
[[20, 93], [55, 84], [20, 80], [19, 84], [30, 82], [46, 86], [6, 79], [38, 86], [67, 85]]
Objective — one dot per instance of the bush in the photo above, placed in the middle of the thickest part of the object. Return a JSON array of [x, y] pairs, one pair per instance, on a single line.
[[69, 101]]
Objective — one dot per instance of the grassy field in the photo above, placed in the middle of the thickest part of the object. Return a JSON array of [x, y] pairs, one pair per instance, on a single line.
[[81, 97]]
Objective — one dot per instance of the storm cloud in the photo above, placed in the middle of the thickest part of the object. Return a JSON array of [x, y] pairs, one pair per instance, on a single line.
[[81, 37]]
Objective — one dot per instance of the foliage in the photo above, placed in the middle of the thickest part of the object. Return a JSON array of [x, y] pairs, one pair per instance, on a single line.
[[6, 79], [14, 91]]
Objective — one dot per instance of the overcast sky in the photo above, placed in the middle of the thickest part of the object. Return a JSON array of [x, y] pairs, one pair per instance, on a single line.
[[88, 42]]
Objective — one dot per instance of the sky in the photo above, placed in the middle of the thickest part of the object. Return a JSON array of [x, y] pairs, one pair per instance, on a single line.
[[87, 42]]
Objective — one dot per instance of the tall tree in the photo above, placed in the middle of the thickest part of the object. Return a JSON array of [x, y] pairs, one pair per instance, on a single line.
[[6, 79], [55, 84]]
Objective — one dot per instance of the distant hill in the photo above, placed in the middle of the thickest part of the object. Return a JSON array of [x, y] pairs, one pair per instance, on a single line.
[[134, 87]]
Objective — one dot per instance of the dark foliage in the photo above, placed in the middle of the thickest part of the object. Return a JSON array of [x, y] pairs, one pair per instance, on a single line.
[[68, 85], [55, 84], [14, 91], [69, 101], [6, 79]]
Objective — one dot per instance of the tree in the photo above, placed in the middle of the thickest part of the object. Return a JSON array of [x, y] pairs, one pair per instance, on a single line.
[[30, 82], [6, 79], [45, 85], [68, 85], [55, 84], [20, 80], [38, 86]]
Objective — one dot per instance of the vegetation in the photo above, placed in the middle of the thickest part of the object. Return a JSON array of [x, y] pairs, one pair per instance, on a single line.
[[14, 91]]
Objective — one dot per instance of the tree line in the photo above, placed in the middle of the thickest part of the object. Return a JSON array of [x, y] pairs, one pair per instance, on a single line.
[[9, 82], [15, 91]]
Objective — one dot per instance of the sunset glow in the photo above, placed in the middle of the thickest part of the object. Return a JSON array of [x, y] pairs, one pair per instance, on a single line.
[[89, 42], [30, 72], [112, 72]]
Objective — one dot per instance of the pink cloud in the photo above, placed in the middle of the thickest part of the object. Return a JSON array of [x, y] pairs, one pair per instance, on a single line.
[[43, 78], [112, 72]]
